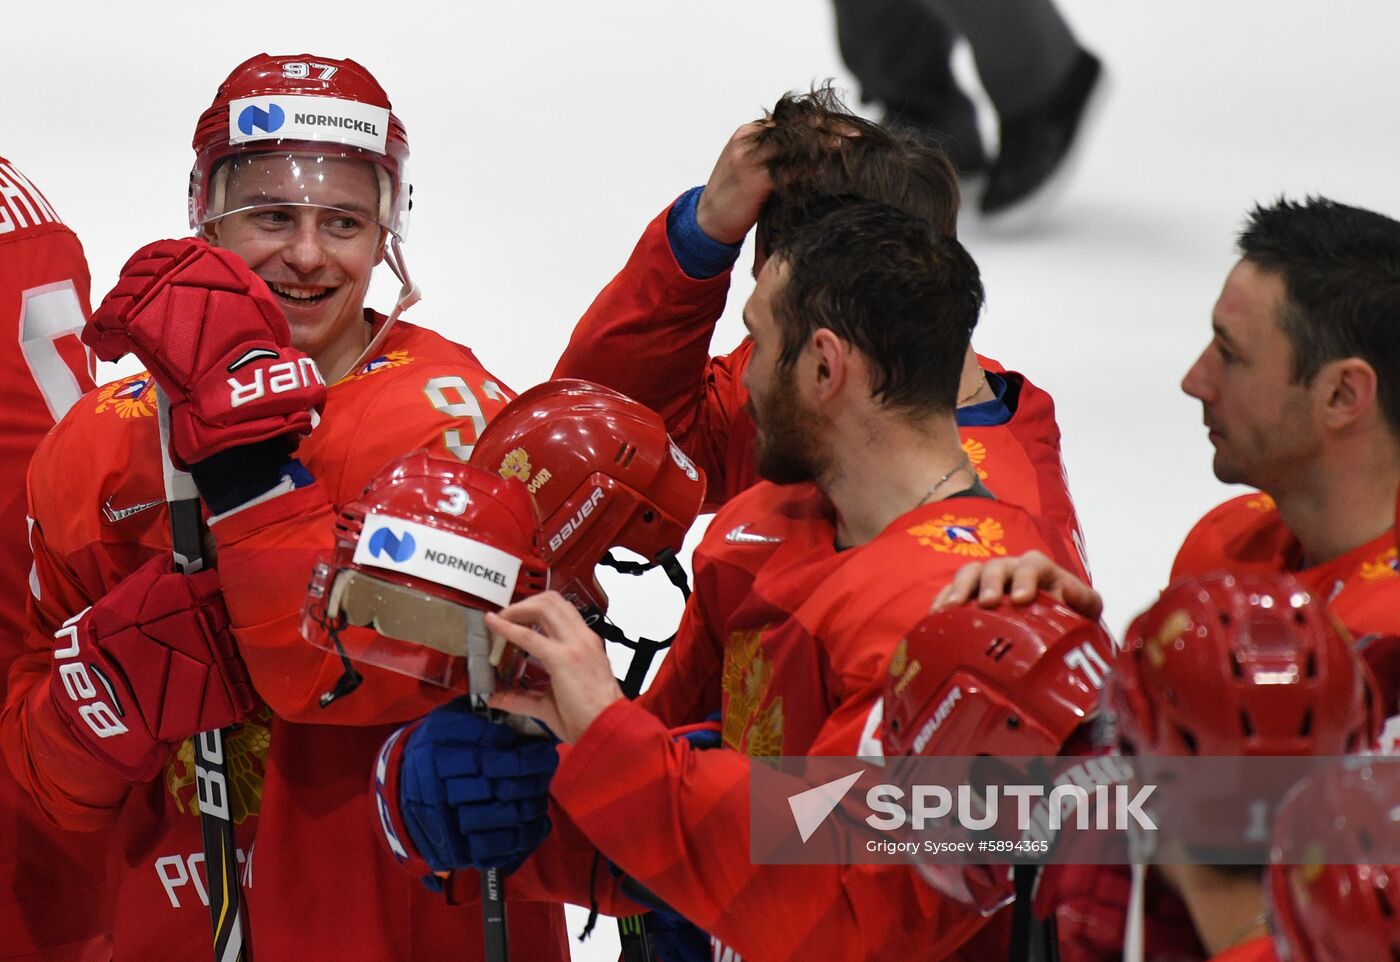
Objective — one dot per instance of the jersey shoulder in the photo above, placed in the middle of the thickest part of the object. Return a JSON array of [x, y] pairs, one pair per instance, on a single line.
[[1022, 391], [765, 515], [105, 420], [96, 478], [408, 349], [419, 390], [1244, 533]]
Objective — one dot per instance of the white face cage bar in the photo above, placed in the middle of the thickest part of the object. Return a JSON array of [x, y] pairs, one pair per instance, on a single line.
[[413, 631]]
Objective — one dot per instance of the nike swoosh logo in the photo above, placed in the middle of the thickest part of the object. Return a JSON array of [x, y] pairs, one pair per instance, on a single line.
[[251, 355], [113, 515], [742, 535]]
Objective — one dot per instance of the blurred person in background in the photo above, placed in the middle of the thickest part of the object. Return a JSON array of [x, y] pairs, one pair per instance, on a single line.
[[1042, 82]]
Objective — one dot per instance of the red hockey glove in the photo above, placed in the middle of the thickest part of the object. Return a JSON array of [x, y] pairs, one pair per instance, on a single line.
[[210, 333], [1089, 904], [148, 665]]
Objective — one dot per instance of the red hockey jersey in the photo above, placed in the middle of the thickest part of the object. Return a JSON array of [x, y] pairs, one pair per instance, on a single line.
[[793, 638], [52, 894], [1361, 587], [648, 335], [1259, 949], [318, 884]]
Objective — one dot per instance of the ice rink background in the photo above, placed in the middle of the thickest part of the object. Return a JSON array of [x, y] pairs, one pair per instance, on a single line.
[[545, 135]]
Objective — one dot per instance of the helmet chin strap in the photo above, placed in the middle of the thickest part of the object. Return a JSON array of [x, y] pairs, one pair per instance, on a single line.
[[646, 648], [409, 294]]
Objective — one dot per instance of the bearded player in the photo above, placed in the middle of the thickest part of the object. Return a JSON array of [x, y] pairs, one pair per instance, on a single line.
[[776, 175], [52, 903], [297, 193], [802, 589]]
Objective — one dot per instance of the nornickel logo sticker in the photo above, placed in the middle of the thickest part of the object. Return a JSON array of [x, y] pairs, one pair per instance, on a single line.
[[440, 556], [254, 118], [386, 542]]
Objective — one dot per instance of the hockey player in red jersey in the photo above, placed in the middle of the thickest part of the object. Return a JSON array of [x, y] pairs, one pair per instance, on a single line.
[[1219, 695], [1300, 390], [802, 590], [298, 184], [776, 174], [52, 893]]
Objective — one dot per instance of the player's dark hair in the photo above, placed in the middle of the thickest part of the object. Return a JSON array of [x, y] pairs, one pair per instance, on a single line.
[[822, 149], [904, 294], [1341, 268]]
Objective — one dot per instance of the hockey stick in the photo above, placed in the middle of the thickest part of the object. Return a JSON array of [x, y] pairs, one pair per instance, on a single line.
[[493, 915], [211, 771], [482, 681]]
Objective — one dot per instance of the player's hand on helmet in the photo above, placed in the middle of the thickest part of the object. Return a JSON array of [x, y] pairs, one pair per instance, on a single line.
[[213, 337], [147, 666], [472, 793], [581, 682], [1019, 579], [737, 189]]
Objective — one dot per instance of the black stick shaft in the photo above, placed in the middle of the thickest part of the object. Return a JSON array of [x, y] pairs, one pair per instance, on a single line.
[[210, 766], [493, 916], [635, 943]]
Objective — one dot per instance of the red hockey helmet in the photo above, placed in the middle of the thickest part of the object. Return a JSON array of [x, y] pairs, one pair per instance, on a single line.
[[1009, 681], [1247, 664], [1005, 681], [294, 113], [1339, 912], [428, 547], [604, 473], [1233, 665]]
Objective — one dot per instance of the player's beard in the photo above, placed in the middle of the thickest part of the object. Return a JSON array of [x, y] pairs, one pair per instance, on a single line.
[[787, 449]]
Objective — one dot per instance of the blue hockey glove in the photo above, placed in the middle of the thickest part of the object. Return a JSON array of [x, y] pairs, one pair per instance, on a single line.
[[473, 793]]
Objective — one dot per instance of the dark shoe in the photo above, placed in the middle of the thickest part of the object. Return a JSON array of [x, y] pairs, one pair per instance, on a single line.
[[953, 130], [1037, 147]]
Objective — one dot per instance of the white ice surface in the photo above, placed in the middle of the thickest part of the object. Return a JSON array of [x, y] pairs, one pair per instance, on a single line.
[[546, 134]]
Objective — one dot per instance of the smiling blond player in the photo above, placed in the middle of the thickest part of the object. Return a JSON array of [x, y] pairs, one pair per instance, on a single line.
[[298, 192]]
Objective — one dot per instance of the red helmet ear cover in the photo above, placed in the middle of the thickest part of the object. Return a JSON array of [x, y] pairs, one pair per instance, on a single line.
[[1227, 664], [1007, 681], [603, 471], [456, 498]]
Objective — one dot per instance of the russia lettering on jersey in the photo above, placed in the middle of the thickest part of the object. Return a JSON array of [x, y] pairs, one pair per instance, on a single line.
[[21, 203]]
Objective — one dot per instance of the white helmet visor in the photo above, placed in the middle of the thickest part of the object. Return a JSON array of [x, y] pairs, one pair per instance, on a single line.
[[342, 182]]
